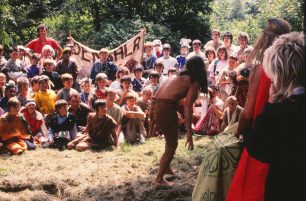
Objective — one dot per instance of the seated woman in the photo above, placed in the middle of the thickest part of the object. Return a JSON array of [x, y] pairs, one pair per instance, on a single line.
[[231, 113], [62, 126], [100, 131], [279, 133], [132, 121], [35, 121], [209, 124], [13, 129]]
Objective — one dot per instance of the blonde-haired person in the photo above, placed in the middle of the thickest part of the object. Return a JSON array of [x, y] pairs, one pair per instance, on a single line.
[[243, 186], [47, 52], [284, 114]]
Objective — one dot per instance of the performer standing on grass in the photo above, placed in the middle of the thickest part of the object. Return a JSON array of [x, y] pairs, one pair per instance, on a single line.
[[187, 84]]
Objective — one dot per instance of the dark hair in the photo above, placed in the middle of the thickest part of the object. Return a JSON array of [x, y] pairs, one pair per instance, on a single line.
[[42, 26], [13, 49], [36, 56], [126, 78], [99, 103], [210, 49], [195, 69], [12, 102], [229, 34], [224, 49], [35, 79], [60, 103], [139, 69], [66, 77], [74, 95], [154, 73]]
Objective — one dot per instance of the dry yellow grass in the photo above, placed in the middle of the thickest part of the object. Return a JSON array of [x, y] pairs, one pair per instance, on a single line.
[[125, 173]]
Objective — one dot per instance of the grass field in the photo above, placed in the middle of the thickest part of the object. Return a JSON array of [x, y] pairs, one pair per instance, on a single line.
[[125, 173]]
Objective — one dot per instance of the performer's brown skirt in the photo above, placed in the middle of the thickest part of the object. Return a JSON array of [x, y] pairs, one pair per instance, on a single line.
[[164, 115]]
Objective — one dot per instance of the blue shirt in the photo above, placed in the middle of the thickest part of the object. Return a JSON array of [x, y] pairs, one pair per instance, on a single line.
[[138, 84], [109, 68], [32, 70], [181, 60]]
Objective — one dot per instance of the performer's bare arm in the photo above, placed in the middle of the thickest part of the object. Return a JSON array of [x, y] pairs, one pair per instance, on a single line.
[[115, 137], [190, 98]]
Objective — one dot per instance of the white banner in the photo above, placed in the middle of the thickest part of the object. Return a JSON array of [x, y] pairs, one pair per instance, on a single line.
[[126, 54]]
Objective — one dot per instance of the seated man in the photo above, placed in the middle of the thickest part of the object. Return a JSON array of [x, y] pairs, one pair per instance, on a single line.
[[231, 113], [62, 126], [13, 131], [100, 131], [80, 110]]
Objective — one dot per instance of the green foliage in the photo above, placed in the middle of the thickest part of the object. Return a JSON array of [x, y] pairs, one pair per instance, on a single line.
[[251, 16]]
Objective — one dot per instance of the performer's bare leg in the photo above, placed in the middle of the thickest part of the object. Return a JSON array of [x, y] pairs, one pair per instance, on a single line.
[[164, 166]]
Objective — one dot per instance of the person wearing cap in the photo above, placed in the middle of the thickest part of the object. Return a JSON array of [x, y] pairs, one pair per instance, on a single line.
[[244, 48], [35, 121], [196, 46], [13, 129], [149, 59], [13, 67], [157, 48], [36, 45], [68, 65], [181, 59], [228, 40], [103, 65], [100, 131], [215, 42], [166, 59], [10, 91], [138, 81], [2, 58], [226, 77]]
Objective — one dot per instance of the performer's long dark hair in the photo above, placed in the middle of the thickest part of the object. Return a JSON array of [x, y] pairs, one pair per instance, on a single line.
[[195, 69]]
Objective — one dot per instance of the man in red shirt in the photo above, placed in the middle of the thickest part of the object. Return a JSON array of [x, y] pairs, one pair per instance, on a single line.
[[37, 44]]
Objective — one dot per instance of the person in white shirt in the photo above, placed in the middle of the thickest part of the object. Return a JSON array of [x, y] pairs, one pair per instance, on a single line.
[[215, 42], [167, 60], [196, 46]]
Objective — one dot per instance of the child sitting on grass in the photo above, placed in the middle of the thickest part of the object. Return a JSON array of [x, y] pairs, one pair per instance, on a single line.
[[231, 113], [13, 131], [100, 131], [62, 126], [132, 122]]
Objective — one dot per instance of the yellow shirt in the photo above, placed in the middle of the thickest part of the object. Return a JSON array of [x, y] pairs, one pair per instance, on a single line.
[[45, 101]]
